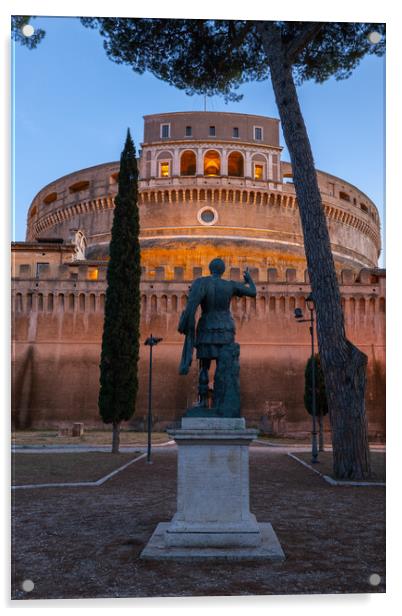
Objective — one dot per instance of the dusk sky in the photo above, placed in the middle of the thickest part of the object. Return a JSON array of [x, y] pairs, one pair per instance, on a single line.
[[72, 107]]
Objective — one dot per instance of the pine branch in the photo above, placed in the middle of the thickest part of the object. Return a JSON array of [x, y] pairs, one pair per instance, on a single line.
[[308, 33]]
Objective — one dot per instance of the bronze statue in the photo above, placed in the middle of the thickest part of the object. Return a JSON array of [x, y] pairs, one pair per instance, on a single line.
[[214, 338]]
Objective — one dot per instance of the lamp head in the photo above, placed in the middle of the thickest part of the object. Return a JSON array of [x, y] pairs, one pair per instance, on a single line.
[[152, 340]]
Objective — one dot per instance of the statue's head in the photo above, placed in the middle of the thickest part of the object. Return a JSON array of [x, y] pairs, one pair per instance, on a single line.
[[217, 267]]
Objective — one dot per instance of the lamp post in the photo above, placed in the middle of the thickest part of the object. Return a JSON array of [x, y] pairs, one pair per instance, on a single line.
[[299, 318], [151, 342]]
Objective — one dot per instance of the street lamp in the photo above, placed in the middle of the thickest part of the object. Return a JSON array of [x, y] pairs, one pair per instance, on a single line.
[[299, 318], [151, 342]]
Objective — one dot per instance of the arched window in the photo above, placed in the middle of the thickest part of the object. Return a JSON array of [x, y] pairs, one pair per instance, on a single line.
[[71, 301], [143, 305], [212, 163], [235, 164], [18, 302], [163, 303], [78, 186], [187, 163], [344, 196], [61, 302]]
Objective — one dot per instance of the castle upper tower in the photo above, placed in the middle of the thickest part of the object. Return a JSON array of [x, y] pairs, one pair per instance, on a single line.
[[211, 184]]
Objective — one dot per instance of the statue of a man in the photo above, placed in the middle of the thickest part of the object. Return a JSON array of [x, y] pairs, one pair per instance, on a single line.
[[214, 337]]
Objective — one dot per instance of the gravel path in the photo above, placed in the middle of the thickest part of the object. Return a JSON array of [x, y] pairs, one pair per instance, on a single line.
[[83, 543]]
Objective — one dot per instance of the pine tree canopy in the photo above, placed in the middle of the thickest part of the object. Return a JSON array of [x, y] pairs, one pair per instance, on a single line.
[[120, 343], [217, 56]]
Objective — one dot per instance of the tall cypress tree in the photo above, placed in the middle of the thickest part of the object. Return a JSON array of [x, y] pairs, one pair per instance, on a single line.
[[120, 341]]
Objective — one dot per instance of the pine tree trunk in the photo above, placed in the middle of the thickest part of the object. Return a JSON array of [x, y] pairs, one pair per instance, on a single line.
[[344, 365], [116, 437], [321, 433]]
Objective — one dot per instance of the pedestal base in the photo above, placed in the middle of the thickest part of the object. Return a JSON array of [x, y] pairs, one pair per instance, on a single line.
[[213, 518], [269, 548]]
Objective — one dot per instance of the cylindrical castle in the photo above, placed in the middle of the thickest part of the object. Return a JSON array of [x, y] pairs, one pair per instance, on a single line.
[[211, 184]]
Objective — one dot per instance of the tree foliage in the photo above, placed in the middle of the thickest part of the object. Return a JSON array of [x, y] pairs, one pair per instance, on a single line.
[[120, 342], [320, 393], [217, 56], [17, 24]]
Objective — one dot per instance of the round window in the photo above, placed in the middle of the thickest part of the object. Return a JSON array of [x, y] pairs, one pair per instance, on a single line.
[[207, 216]]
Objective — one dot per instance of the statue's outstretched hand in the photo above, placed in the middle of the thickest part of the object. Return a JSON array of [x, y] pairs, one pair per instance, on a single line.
[[247, 276]]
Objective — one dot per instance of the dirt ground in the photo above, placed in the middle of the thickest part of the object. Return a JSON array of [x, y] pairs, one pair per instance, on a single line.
[[33, 468], [86, 542], [325, 465]]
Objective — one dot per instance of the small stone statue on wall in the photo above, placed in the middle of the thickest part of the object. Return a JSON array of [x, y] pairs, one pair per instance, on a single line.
[[214, 338]]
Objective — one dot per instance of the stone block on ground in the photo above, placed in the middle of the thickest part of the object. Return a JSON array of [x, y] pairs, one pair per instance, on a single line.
[[78, 429]]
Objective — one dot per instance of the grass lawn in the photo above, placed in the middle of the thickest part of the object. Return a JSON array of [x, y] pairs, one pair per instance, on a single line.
[[90, 437], [279, 440], [325, 463], [33, 468]]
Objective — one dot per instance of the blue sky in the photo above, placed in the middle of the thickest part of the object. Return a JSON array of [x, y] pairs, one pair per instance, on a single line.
[[72, 107]]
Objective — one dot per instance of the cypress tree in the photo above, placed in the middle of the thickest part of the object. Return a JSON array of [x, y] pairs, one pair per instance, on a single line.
[[321, 403], [120, 341]]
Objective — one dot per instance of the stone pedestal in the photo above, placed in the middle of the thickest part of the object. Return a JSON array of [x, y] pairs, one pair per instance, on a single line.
[[213, 517]]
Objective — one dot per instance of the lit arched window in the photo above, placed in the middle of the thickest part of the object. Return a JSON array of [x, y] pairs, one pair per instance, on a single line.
[[235, 164], [187, 163], [212, 163]]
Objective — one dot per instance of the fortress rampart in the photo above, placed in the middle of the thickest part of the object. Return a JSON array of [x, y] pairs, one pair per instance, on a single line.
[[57, 338]]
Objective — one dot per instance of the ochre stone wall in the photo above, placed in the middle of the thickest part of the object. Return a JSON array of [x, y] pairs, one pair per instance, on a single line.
[[57, 338]]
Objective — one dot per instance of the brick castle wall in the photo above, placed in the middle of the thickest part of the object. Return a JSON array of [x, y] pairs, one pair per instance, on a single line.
[[57, 330]]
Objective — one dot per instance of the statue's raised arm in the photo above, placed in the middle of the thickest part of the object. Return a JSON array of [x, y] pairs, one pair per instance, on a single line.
[[246, 288]]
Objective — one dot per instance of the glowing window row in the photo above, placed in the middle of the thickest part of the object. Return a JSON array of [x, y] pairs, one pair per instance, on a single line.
[[212, 165]]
